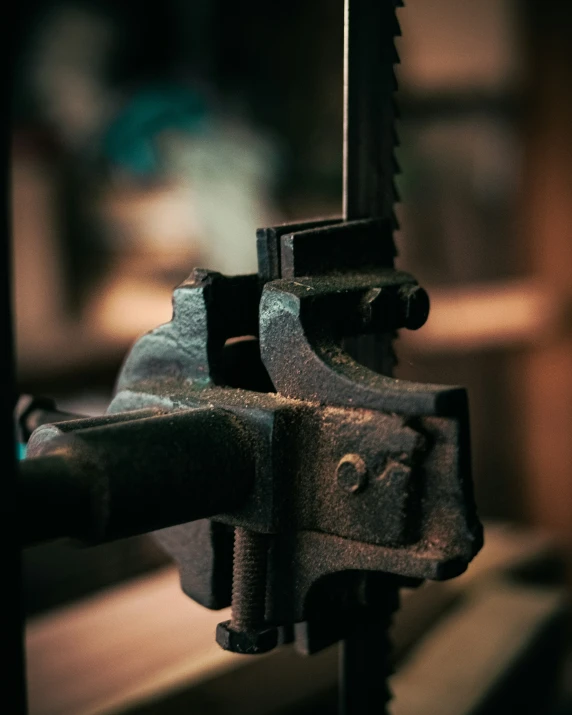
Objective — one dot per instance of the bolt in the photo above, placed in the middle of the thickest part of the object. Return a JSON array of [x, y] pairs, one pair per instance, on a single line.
[[415, 306], [246, 642], [247, 631], [351, 473], [249, 580]]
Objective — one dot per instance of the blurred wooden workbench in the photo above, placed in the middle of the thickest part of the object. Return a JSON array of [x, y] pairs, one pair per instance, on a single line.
[[143, 647]]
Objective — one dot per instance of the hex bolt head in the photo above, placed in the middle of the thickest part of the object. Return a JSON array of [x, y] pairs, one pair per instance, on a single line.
[[351, 473], [246, 642]]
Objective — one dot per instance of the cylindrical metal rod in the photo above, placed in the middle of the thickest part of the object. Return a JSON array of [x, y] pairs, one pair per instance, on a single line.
[[370, 27], [126, 474], [53, 503]]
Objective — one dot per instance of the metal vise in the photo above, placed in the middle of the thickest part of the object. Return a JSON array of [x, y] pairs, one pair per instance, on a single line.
[[244, 424]]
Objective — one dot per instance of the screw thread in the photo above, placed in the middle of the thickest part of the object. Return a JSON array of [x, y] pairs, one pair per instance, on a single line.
[[249, 580]]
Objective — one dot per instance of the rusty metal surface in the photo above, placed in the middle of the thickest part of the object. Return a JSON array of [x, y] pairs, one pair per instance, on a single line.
[[411, 514]]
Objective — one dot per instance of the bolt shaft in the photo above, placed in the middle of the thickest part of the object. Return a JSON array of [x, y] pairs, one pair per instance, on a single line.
[[249, 580]]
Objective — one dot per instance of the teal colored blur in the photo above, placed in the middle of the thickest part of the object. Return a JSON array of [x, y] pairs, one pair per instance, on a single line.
[[130, 141]]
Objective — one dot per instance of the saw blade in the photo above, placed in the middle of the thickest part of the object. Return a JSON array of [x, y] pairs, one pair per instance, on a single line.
[[370, 113], [370, 136]]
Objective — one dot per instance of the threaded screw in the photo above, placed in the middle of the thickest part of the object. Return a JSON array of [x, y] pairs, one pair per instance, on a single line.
[[249, 580]]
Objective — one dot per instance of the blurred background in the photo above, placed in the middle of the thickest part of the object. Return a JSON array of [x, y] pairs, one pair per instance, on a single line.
[[152, 137]]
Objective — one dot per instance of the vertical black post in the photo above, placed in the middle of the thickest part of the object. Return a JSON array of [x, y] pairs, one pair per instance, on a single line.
[[365, 667], [11, 638], [370, 27], [365, 653], [370, 137]]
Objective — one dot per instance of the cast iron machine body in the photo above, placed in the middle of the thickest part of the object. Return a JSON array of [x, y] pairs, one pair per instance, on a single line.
[[340, 484], [285, 477]]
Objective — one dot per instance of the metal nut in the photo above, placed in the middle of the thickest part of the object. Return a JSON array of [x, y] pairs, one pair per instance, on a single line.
[[246, 642]]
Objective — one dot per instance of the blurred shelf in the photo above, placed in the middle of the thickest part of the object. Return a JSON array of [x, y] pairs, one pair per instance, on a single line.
[[115, 649], [494, 315], [98, 341], [139, 643]]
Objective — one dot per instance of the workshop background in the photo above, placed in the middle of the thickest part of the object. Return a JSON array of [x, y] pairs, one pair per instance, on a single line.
[[151, 138]]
